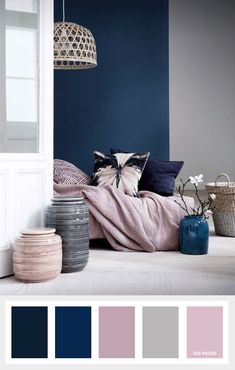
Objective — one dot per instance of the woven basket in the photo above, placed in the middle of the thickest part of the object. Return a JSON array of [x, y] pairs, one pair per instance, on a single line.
[[223, 206]]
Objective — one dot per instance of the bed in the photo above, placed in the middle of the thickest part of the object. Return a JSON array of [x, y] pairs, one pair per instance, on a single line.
[[112, 271]]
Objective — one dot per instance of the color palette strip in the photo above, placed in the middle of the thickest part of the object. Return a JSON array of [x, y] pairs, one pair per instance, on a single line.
[[116, 332]]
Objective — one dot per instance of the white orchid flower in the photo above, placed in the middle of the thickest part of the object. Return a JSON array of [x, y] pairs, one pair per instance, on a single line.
[[192, 179], [196, 179], [212, 196]]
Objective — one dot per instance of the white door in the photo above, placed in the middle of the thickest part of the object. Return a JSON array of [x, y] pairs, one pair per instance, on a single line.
[[26, 118]]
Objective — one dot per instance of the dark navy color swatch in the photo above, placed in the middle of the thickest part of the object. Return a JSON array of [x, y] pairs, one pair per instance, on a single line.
[[73, 332], [29, 332], [124, 101]]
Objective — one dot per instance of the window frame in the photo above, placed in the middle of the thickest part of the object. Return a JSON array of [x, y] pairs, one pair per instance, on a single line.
[[18, 130]]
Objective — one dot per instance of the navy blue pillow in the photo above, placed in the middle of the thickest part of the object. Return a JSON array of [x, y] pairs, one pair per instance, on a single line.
[[158, 176]]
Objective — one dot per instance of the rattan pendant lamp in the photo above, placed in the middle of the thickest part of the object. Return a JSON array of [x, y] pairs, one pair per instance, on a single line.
[[74, 46]]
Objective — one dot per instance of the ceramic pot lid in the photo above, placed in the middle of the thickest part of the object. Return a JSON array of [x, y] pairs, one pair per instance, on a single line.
[[39, 231]]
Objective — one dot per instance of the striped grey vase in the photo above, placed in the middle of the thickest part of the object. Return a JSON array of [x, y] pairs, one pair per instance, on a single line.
[[70, 218]]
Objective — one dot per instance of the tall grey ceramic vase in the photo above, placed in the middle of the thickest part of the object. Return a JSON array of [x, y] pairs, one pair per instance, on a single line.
[[70, 218]]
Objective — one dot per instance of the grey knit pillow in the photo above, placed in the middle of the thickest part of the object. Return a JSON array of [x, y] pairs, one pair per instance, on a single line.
[[68, 174]]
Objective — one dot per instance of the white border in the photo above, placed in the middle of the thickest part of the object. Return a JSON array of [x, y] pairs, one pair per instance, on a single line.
[[182, 305]]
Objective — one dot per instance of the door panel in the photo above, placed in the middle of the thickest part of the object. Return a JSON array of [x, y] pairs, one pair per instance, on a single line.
[[3, 209], [26, 140], [25, 181]]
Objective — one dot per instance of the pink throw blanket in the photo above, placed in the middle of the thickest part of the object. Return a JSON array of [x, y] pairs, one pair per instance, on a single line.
[[149, 223]]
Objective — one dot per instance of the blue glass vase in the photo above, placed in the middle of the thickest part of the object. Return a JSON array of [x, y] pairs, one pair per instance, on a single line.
[[194, 235]]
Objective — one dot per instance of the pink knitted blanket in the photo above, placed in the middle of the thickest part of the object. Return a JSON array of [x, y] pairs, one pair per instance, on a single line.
[[149, 223]]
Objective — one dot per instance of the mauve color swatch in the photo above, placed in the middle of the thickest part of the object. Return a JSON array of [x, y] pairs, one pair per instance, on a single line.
[[29, 332], [73, 332], [160, 332], [116, 332], [205, 332]]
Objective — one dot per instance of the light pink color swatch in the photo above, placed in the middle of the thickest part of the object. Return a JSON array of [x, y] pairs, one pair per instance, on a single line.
[[116, 332], [205, 332]]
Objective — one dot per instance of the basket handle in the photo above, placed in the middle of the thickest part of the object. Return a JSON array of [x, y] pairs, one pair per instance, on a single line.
[[223, 175]]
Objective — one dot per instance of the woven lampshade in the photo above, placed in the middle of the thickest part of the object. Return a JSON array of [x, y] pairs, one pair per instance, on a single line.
[[74, 47]]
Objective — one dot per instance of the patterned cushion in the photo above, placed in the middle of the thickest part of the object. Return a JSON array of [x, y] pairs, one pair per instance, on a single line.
[[68, 174], [121, 170], [158, 176]]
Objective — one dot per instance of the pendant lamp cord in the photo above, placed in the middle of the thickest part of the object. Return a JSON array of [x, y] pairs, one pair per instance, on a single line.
[[63, 11]]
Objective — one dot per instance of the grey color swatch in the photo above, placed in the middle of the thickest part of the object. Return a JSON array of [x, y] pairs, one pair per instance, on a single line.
[[160, 332]]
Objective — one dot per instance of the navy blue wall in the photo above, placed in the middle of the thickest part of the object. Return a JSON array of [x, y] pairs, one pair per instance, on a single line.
[[124, 101]]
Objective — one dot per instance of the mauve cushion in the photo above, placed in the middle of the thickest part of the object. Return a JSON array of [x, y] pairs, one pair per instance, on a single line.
[[67, 173], [158, 176]]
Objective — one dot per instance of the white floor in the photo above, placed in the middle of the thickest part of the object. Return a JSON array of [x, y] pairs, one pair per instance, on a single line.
[[137, 273]]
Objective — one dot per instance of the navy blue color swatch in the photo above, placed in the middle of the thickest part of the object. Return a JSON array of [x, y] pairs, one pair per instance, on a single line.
[[124, 101], [73, 332], [29, 332]]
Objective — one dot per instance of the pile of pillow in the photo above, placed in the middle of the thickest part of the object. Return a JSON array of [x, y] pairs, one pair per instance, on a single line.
[[133, 172], [129, 172]]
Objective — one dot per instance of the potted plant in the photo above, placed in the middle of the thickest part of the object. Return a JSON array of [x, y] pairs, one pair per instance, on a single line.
[[194, 229]]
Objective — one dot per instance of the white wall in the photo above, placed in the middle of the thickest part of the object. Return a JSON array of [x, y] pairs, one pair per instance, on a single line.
[[202, 86]]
